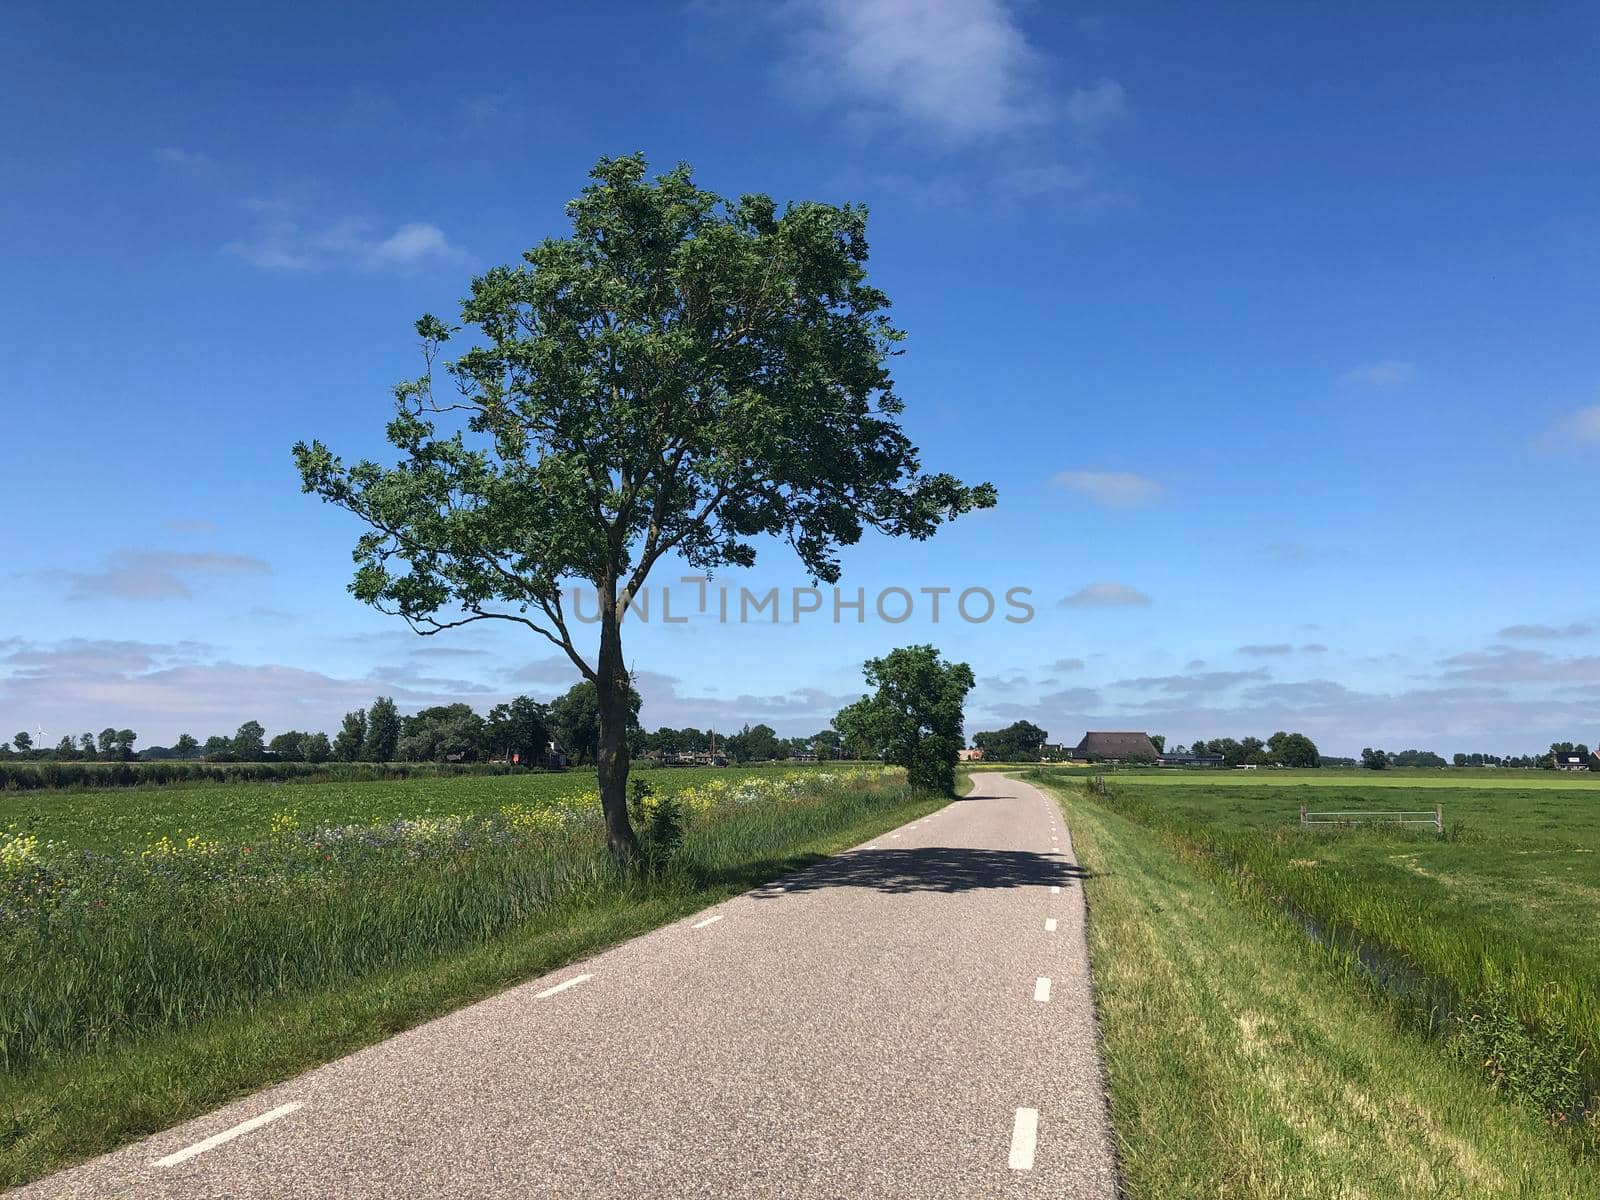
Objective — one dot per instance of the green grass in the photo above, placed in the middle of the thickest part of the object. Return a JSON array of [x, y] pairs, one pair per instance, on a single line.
[[209, 973], [1500, 912], [135, 817], [1244, 1065]]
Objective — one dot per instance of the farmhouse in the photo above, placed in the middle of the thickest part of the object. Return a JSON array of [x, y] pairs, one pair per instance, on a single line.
[[1114, 747], [970, 755], [1573, 762]]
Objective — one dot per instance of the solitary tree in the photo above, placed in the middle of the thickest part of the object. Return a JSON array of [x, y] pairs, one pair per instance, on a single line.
[[186, 745], [680, 375], [914, 719], [22, 740]]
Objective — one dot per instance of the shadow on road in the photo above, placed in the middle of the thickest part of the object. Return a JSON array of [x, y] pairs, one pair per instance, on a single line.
[[930, 869]]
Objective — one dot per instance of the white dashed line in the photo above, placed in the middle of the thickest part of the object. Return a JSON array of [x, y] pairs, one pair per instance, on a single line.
[[561, 987], [1024, 1139], [1041, 989], [707, 921], [1049, 924], [1055, 889], [227, 1135]]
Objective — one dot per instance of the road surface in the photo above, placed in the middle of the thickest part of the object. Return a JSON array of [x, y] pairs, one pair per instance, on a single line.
[[911, 1018]]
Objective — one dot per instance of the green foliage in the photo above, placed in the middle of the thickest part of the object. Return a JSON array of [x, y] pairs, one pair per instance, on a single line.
[[914, 719], [352, 734], [383, 731], [1020, 741], [575, 718], [315, 748], [249, 743], [519, 729], [443, 733], [1537, 1069], [759, 743], [1374, 760]]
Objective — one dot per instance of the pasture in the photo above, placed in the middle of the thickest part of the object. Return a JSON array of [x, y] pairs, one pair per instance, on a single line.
[[132, 818], [1481, 943], [162, 950]]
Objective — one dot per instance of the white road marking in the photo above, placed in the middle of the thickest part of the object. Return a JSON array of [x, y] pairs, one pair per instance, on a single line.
[[1049, 924], [1041, 989], [893, 835], [1055, 890], [707, 921], [1024, 1139], [227, 1135], [561, 987]]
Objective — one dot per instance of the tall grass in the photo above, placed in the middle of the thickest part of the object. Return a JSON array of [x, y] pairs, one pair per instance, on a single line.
[[97, 949]]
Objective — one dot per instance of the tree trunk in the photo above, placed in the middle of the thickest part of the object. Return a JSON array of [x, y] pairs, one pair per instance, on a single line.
[[611, 758]]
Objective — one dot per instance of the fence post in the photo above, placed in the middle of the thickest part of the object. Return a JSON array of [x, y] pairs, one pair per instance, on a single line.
[[1438, 818], [1303, 821]]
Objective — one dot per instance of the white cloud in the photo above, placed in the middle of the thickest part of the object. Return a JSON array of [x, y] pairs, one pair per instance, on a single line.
[[1111, 489], [1104, 595], [1388, 373], [959, 69], [280, 243], [1094, 109]]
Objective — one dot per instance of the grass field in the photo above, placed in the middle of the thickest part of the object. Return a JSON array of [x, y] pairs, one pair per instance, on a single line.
[[135, 817], [146, 976], [1479, 947], [1242, 1068]]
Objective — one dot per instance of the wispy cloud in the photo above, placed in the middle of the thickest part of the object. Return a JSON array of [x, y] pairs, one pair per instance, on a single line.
[[1504, 664], [155, 574], [1065, 665], [1093, 110], [1111, 489], [1104, 595], [279, 243], [1545, 632], [1266, 651], [1577, 430], [1386, 374], [1194, 683], [185, 160]]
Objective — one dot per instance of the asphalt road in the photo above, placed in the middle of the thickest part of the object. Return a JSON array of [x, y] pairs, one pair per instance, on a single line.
[[911, 1018]]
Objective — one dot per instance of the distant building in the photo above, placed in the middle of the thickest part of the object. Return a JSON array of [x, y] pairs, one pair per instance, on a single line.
[[973, 755], [1114, 747], [1573, 762], [1191, 760]]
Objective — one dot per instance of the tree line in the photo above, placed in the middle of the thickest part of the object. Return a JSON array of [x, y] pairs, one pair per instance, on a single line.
[[518, 731]]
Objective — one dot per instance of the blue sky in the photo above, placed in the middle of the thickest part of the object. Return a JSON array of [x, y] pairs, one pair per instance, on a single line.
[[1273, 326]]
